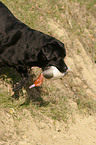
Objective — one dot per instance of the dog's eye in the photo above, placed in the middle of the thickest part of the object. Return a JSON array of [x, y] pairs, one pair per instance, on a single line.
[[54, 58]]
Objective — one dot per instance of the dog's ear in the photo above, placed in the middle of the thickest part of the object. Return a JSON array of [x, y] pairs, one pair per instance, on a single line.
[[53, 50], [48, 51]]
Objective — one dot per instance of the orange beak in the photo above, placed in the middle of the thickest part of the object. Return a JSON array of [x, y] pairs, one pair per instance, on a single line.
[[38, 81]]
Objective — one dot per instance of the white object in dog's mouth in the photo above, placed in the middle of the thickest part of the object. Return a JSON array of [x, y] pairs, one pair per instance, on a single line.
[[53, 72]]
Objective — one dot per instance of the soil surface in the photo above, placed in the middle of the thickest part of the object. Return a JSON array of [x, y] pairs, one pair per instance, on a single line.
[[23, 129]]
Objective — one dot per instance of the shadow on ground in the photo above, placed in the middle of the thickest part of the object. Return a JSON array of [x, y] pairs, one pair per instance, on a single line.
[[32, 95]]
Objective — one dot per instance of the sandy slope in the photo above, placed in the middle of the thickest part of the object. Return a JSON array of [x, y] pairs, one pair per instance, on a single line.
[[79, 62], [23, 129]]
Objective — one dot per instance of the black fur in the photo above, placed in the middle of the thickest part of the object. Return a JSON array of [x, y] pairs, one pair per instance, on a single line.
[[22, 47]]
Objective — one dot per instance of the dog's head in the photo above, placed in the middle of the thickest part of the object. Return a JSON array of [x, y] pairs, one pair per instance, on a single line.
[[53, 54]]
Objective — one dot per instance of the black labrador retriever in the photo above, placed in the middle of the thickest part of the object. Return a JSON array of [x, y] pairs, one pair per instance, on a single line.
[[22, 47]]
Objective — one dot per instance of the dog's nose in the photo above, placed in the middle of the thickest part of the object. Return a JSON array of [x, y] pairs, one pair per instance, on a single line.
[[65, 68]]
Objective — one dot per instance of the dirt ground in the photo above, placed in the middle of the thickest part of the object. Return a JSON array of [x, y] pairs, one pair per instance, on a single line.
[[23, 129]]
